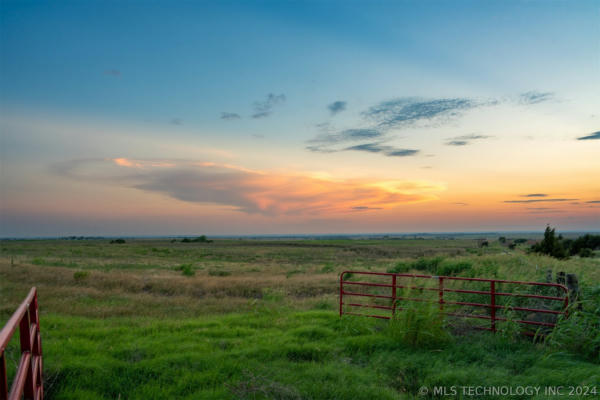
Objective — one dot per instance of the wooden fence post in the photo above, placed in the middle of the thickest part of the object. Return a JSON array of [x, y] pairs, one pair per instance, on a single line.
[[573, 285]]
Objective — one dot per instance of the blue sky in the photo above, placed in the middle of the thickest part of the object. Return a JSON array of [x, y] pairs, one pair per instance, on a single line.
[[256, 81], [191, 60]]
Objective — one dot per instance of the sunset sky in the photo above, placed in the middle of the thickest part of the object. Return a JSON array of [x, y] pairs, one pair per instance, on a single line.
[[277, 117]]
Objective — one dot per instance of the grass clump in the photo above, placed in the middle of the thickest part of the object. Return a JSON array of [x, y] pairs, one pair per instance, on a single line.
[[420, 325]]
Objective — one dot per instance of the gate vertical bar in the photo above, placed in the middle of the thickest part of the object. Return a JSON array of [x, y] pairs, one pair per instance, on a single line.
[[393, 295], [441, 293], [341, 291], [493, 304]]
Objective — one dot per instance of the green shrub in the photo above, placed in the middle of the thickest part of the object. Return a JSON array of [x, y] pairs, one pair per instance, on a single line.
[[430, 265], [586, 252], [400, 268], [80, 275], [435, 265], [453, 268], [117, 241], [187, 269]]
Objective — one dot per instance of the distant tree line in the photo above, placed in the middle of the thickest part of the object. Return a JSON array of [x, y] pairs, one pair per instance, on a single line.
[[199, 239], [559, 247]]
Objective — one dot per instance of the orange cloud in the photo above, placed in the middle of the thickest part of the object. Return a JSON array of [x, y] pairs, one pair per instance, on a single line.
[[125, 162], [263, 192]]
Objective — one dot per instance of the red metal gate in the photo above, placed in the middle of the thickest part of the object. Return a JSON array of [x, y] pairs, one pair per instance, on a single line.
[[494, 299], [28, 378]]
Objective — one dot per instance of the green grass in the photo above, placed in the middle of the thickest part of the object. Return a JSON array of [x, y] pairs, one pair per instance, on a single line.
[[151, 319], [276, 353]]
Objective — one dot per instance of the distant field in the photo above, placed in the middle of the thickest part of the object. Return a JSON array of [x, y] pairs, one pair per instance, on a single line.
[[258, 319]]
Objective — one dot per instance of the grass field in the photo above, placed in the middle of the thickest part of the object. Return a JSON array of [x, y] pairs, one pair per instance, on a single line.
[[156, 319]]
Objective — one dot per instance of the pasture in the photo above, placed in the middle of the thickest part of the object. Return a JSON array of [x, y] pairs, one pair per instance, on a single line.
[[158, 318]]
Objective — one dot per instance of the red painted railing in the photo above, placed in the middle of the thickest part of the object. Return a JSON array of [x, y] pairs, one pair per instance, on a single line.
[[28, 378], [385, 300]]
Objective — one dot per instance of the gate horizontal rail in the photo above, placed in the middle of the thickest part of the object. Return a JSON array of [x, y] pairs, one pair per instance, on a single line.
[[350, 291], [28, 378]]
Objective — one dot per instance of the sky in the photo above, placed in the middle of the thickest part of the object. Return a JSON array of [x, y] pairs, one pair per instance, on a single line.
[[298, 117]]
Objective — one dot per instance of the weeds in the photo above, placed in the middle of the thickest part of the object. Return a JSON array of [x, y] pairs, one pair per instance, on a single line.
[[419, 324], [579, 333]]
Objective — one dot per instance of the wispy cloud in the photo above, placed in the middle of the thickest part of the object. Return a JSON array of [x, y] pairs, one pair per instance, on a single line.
[[176, 121], [535, 97], [389, 151], [593, 202], [347, 135], [539, 201], [229, 116], [591, 136], [249, 191], [336, 107], [542, 210], [534, 195], [406, 111], [457, 143], [465, 139], [381, 121], [265, 108]]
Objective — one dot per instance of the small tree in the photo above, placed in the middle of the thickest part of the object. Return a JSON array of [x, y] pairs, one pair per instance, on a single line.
[[551, 245]]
